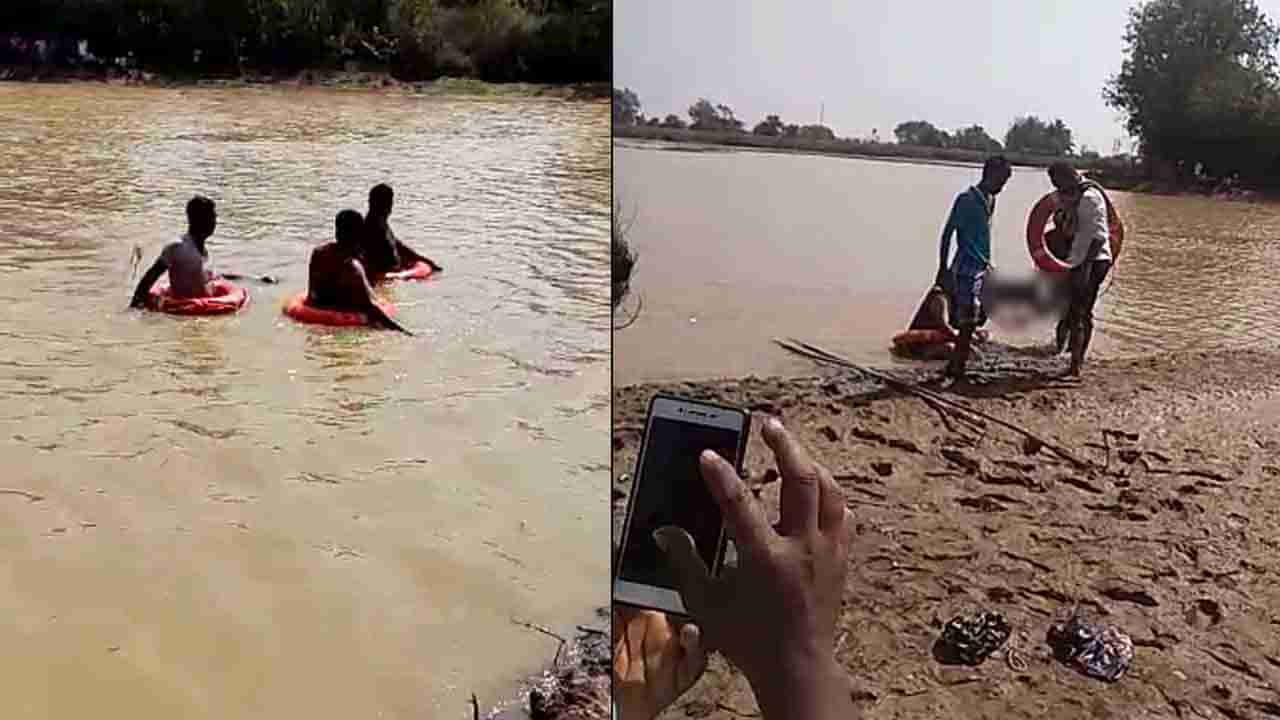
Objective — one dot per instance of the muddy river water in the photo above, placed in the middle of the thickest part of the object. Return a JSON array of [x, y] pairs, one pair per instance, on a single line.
[[737, 248], [245, 517]]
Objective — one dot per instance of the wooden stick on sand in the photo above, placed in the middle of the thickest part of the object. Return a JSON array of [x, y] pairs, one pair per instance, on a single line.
[[814, 352]]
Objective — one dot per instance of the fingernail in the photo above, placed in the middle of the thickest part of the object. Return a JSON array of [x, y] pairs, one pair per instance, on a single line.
[[774, 424], [709, 456], [689, 637], [660, 539]]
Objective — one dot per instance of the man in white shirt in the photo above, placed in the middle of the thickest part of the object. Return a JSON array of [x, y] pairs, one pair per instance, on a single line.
[[185, 261], [1085, 221]]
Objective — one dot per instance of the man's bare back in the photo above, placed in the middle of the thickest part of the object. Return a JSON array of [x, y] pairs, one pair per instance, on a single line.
[[336, 279], [188, 277], [932, 314]]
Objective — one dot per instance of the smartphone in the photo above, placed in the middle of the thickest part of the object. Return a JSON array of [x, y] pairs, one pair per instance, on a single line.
[[669, 490]]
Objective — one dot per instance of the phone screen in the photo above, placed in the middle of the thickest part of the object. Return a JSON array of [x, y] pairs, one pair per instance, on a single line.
[[670, 491]]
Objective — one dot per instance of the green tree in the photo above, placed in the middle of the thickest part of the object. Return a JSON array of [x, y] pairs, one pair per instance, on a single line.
[[674, 121], [497, 40], [975, 137], [704, 115], [1195, 71], [817, 132], [920, 132], [771, 126], [626, 107], [1032, 135]]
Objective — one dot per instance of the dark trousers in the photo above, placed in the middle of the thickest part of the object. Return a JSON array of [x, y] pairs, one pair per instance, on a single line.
[[1077, 324]]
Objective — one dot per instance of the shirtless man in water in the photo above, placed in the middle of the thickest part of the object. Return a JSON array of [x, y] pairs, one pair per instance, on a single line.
[[184, 260], [336, 278], [381, 251]]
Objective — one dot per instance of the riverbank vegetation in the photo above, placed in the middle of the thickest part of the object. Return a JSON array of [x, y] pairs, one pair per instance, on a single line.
[[534, 41], [1198, 85], [1030, 141], [1027, 135], [1120, 172], [1200, 89]]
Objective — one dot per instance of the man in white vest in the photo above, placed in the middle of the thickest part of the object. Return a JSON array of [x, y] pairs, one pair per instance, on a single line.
[[1085, 221]]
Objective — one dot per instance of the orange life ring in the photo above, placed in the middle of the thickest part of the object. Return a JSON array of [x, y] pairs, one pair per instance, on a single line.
[[918, 338], [223, 298], [1038, 245], [417, 271], [924, 338], [297, 308]]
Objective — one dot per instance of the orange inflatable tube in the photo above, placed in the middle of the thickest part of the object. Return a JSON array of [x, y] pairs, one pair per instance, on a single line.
[[418, 271], [297, 308], [919, 339], [223, 298], [1038, 246]]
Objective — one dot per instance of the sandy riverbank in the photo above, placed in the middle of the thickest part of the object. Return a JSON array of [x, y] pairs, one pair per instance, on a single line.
[[1171, 532]]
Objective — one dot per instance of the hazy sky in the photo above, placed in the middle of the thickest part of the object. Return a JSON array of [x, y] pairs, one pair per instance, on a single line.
[[876, 64]]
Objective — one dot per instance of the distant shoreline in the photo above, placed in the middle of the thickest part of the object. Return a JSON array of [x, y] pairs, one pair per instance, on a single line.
[[891, 152], [336, 79]]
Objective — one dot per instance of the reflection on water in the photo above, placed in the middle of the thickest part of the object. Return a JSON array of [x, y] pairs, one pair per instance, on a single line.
[[737, 248], [247, 517]]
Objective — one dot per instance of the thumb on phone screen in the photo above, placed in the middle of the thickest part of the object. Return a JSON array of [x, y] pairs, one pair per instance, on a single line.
[[687, 567]]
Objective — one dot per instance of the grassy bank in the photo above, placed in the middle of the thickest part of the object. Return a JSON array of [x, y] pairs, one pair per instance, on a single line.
[[371, 80]]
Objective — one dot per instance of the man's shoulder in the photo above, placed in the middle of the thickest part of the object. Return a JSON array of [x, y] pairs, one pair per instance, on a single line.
[[172, 247], [969, 200], [1094, 194]]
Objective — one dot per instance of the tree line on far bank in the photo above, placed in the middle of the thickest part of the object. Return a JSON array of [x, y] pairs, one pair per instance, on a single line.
[[549, 41], [1199, 87], [1027, 135]]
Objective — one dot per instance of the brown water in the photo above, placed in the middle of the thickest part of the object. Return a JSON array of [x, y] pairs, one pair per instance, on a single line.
[[245, 517], [737, 248]]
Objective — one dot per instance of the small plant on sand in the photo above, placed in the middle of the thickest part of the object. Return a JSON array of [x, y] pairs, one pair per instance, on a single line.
[[623, 261]]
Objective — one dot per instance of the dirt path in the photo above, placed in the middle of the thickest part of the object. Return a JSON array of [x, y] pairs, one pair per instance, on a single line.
[[1171, 534]]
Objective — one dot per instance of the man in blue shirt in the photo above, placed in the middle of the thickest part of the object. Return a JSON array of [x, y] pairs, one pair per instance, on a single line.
[[963, 276]]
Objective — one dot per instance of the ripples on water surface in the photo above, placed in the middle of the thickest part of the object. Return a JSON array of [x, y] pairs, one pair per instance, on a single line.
[[737, 248], [244, 517]]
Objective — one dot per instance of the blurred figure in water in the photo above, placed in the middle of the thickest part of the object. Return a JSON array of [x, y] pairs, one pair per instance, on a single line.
[[380, 250]]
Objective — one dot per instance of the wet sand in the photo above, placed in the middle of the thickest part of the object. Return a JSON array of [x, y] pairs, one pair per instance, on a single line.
[[1170, 532]]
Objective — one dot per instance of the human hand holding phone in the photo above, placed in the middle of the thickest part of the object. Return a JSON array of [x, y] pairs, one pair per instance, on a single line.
[[669, 490], [654, 661], [774, 616]]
